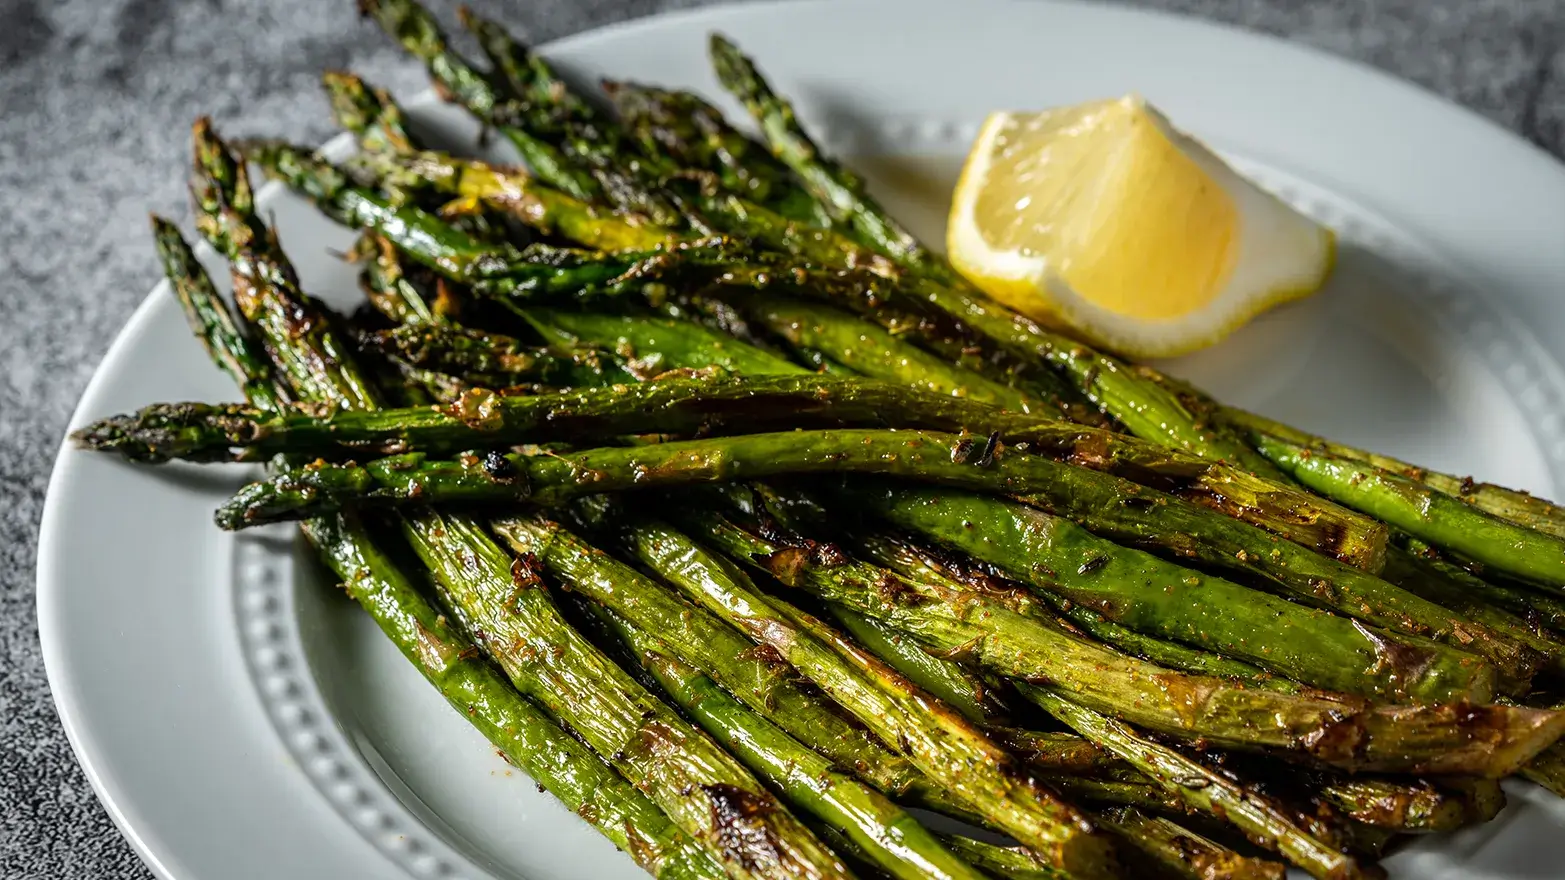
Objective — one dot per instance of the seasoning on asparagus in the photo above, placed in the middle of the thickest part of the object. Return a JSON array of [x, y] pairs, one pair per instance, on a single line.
[[760, 398], [956, 756], [983, 630], [493, 360], [1266, 823], [554, 758], [893, 840], [1444, 520], [417, 31], [703, 789]]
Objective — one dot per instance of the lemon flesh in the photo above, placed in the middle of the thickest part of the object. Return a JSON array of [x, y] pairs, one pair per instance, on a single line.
[[1105, 218]]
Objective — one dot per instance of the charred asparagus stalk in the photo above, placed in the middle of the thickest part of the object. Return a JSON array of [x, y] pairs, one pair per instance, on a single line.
[[1508, 504], [892, 839], [417, 32], [984, 630], [696, 136], [704, 790], [949, 682], [870, 351], [533, 741], [492, 360], [233, 352], [549, 110], [969, 766], [1266, 823], [1443, 520], [759, 399], [1163, 843]]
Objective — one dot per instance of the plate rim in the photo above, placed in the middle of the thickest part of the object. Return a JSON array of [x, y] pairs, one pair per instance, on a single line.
[[120, 804]]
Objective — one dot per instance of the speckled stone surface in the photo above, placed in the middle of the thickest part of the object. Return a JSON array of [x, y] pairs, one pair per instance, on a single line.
[[95, 101]]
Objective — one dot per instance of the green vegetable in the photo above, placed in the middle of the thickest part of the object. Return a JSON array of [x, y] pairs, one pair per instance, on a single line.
[[1443, 520], [983, 629], [1262, 820], [893, 840], [969, 767], [524, 733]]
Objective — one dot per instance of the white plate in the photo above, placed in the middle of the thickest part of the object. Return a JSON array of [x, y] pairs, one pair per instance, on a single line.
[[239, 719]]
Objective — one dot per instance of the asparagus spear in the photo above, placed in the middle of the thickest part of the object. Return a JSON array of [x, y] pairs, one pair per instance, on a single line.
[[514, 191], [370, 113], [420, 235], [550, 110], [233, 352], [265, 287], [757, 400], [1266, 823], [1413, 807], [528, 737], [1163, 843], [1542, 611], [528, 76], [1474, 599], [389, 288], [1139, 590], [493, 360], [695, 135], [914, 562], [970, 766], [700, 788], [947, 681], [505, 604], [868, 350], [1426, 513], [1161, 848], [983, 630], [1508, 504], [893, 840], [653, 345], [1003, 862], [417, 32], [1548, 769], [838, 189]]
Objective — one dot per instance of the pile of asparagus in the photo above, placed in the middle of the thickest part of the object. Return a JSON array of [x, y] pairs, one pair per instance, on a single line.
[[753, 533]]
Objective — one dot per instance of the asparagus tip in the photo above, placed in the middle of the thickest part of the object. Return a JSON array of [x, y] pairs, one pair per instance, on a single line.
[[734, 71]]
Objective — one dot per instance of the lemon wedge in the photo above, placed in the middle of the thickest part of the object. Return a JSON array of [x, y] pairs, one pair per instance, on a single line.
[[1105, 218]]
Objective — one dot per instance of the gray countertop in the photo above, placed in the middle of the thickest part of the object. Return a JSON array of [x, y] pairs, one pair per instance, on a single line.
[[96, 97]]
